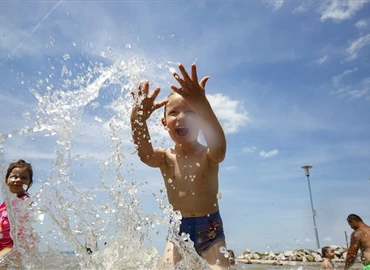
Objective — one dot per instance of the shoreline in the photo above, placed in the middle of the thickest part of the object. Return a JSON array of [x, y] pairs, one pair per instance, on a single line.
[[338, 264]]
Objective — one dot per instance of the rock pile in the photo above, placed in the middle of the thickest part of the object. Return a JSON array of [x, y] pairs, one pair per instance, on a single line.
[[298, 255]]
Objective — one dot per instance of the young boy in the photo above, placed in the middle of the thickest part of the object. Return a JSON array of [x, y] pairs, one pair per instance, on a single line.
[[189, 169], [328, 255]]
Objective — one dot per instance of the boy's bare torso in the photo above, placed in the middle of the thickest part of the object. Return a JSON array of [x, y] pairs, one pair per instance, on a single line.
[[191, 181]]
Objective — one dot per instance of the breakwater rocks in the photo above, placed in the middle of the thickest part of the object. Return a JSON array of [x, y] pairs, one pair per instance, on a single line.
[[296, 255]]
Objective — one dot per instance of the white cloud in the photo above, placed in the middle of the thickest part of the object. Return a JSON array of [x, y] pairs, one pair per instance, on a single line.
[[276, 4], [269, 154], [322, 60], [230, 112], [303, 7], [328, 239], [361, 24], [230, 168], [303, 241], [354, 91], [356, 45], [340, 10], [338, 78], [251, 149]]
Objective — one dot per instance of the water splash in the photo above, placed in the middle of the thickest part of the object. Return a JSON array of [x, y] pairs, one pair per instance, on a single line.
[[78, 218]]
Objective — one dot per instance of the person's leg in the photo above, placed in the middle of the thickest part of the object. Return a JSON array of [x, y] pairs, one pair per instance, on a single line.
[[216, 259], [171, 255]]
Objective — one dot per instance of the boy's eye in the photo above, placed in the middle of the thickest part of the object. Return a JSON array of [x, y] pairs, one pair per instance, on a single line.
[[12, 178], [173, 113]]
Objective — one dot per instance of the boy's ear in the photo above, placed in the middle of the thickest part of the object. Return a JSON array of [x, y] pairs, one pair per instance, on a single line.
[[164, 122]]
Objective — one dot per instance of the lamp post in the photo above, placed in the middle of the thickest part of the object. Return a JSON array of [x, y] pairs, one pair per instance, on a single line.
[[307, 172]]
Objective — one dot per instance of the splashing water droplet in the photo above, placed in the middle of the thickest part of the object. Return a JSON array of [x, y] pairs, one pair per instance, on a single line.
[[184, 236], [169, 181], [98, 119], [66, 57], [197, 164], [40, 217]]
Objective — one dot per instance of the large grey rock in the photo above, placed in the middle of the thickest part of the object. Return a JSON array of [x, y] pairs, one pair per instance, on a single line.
[[317, 257], [271, 256], [256, 256], [281, 257], [288, 253]]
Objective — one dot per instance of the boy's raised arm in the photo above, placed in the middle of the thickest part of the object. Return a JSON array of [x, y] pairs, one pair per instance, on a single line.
[[143, 108], [193, 92]]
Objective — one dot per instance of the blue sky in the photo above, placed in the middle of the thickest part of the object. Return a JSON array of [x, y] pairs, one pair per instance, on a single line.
[[289, 81]]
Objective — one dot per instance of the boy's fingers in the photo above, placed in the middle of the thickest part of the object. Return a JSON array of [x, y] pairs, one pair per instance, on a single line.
[[155, 93], [203, 82], [160, 104], [184, 73], [178, 78], [176, 89], [194, 75], [146, 88]]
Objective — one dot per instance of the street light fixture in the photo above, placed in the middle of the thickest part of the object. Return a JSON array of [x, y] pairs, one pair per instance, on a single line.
[[307, 172]]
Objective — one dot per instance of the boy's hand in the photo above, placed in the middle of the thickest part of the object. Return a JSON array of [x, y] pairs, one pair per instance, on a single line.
[[144, 104], [191, 90]]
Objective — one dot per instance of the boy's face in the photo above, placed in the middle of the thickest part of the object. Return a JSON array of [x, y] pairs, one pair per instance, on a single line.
[[330, 254], [180, 120], [18, 181]]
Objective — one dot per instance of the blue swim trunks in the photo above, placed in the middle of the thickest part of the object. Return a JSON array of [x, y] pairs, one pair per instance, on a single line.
[[204, 231]]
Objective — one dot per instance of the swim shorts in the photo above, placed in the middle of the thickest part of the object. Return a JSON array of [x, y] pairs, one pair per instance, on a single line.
[[204, 231], [366, 267]]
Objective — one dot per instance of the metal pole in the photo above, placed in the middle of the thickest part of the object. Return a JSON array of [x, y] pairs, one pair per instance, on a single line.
[[307, 171], [313, 214]]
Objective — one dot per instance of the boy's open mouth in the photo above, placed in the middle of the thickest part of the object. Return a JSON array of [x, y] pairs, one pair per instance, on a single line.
[[182, 131]]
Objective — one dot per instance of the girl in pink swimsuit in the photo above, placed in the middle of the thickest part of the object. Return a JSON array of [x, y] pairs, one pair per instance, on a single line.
[[19, 180]]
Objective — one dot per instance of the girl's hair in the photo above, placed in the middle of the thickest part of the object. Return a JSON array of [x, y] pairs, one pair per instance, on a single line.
[[231, 252], [22, 165], [324, 251]]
